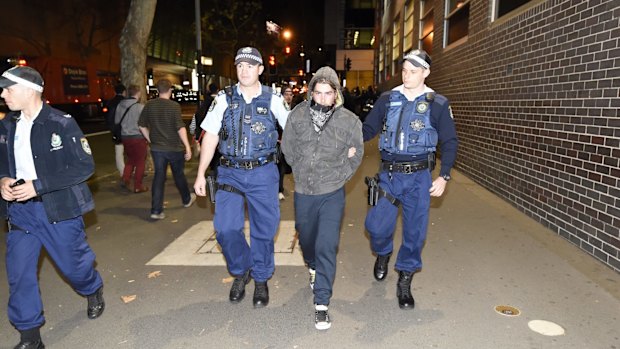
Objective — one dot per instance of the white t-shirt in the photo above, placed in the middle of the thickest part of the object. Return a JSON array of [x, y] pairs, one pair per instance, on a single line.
[[24, 163]]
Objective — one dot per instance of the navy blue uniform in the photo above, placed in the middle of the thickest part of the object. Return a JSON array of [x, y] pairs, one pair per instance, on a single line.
[[63, 162], [411, 189], [248, 138]]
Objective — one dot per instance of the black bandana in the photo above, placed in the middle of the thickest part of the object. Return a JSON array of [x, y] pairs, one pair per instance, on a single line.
[[320, 115]]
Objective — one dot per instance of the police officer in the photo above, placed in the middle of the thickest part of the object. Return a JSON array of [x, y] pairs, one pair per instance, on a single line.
[[241, 123], [45, 161], [411, 119]]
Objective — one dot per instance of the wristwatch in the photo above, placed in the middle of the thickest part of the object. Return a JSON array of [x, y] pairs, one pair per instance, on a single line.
[[446, 177]]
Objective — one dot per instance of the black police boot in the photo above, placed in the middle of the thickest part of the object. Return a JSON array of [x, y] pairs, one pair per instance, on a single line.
[[96, 304], [38, 344], [403, 290], [381, 267], [30, 339], [261, 294], [237, 291]]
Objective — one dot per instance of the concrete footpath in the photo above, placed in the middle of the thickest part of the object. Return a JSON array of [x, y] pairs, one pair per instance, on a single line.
[[480, 253]]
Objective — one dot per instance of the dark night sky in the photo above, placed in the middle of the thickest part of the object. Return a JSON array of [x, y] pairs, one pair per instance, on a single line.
[[304, 18]]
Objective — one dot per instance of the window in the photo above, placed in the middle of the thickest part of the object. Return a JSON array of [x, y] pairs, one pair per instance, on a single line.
[[457, 20], [381, 57], [408, 37], [502, 7], [395, 43], [427, 26]]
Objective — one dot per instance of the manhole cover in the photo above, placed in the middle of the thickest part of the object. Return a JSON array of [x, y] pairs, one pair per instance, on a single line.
[[546, 328], [507, 310]]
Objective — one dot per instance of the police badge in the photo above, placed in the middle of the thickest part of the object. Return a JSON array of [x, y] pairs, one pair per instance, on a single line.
[[421, 107], [258, 128], [212, 106], [417, 125], [56, 141]]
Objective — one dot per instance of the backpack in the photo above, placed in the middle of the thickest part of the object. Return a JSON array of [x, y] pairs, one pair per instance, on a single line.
[[117, 129]]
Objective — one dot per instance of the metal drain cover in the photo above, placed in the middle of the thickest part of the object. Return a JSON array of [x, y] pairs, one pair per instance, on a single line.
[[507, 310]]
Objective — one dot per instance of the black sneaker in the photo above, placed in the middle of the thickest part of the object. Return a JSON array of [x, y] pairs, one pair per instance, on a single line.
[[321, 317], [237, 291]]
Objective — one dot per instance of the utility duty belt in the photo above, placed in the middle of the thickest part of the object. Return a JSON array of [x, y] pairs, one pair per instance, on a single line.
[[404, 167], [247, 165]]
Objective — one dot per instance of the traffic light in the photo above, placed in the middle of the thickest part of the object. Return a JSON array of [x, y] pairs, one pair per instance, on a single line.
[[272, 65], [348, 64], [287, 50]]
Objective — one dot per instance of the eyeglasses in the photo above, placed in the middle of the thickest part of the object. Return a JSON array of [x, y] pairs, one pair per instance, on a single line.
[[326, 94]]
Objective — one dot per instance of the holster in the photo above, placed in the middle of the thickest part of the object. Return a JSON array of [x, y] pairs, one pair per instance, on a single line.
[[212, 187], [373, 190], [432, 160]]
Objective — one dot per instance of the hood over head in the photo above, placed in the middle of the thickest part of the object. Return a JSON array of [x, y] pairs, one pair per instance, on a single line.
[[326, 75]]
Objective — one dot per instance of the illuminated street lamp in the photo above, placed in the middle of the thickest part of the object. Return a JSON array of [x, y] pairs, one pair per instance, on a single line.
[[286, 34]]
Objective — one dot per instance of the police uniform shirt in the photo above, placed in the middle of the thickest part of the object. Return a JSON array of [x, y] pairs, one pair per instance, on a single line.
[[213, 121], [401, 89], [441, 119], [24, 163]]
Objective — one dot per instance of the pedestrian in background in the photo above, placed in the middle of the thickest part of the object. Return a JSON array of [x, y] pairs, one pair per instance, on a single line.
[[119, 156], [283, 166], [135, 145], [242, 123], [198, 132], [161, 124], [323, 143], [44, 198], [411, 119]]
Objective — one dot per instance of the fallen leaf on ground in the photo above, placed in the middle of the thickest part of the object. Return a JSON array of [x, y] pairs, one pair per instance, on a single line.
[[228, 280], [154, 274], [174, 220], [130, 298]]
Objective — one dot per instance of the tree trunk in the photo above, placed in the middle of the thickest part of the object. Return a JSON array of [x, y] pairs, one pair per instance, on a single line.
[[134, 41]]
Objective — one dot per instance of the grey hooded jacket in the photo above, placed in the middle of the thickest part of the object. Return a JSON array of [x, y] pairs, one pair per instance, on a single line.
[[320, 160]]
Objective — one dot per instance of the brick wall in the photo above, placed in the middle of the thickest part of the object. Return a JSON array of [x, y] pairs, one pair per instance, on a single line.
[[536, 104]]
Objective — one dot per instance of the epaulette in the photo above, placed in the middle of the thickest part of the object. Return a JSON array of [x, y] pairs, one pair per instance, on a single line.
[[430, 96]]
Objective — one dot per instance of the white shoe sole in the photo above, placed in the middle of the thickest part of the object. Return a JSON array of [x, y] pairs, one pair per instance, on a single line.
[[323, 326]]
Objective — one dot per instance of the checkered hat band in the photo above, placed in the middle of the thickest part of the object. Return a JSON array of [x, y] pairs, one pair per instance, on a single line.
[[249, 56], [419, 60], [21, 81]]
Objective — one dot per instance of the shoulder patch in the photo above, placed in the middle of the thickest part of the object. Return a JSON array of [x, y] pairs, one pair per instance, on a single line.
[[85, 146]]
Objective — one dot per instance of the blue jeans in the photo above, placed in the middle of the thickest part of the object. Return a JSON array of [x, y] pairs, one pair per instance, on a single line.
[[161, 159], [318, 219]]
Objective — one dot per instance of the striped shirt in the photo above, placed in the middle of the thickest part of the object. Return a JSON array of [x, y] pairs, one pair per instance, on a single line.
[[163, 119]]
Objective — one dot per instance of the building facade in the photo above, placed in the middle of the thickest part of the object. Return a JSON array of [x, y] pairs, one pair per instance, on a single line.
[[535, 90]]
